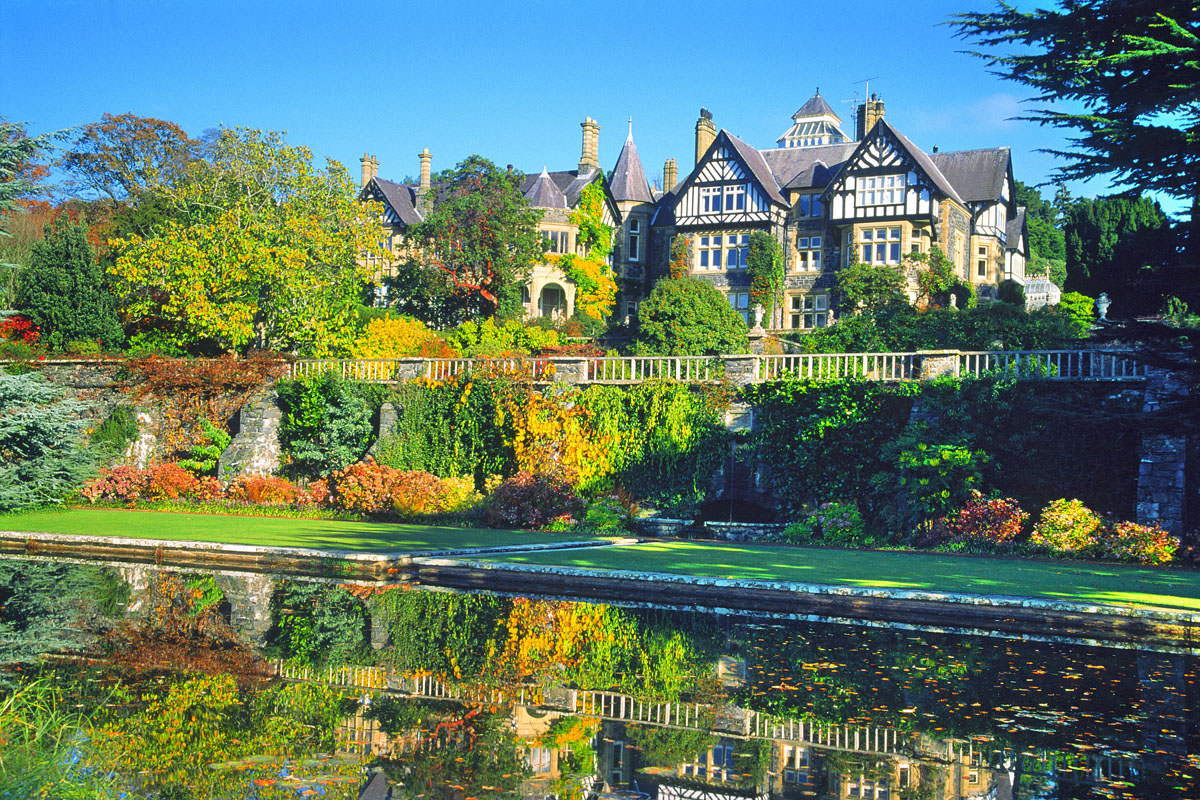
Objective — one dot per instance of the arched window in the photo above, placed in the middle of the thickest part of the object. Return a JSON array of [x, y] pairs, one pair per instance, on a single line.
[[552, 302]]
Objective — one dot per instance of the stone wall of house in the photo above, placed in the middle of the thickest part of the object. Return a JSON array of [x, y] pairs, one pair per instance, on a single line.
[[1163, 473]]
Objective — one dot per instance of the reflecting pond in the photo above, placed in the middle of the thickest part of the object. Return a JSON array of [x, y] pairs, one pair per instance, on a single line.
[[133, 682]]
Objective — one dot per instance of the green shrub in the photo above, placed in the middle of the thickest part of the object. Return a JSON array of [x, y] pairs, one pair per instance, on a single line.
[[1011, 292], [326, 423], [112, 437], [42, 458], [925, 481], [689, 317], [1068, 527], [833, 525], [482, 339], [606, 515], [1081, 309], [207, 453], [818, 441]]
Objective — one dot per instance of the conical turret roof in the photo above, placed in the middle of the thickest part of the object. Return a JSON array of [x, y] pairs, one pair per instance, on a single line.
[[629, 179], [544, 193]]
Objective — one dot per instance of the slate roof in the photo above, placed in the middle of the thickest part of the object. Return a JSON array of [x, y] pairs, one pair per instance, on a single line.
[[926, 163], [543, 192], [402, 198], [1014, 229], [815, 107], [629, 179], [757, 165], [571, 183], [807, 167], [976, 174]]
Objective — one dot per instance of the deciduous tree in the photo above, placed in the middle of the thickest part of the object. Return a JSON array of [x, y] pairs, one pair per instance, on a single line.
[[122, 157], [260, 250], [479, 242]]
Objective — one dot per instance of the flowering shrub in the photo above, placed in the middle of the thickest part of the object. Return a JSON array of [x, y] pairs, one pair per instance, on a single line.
[[982, 520], [1148, 544], [1068, 526], [834, 524], [265, 490], [208, 488], [413, 492], [532, 501]]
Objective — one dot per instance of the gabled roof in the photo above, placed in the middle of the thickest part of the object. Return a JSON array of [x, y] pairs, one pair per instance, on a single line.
[[401, 197], [816, 107], [755, 163], [976, 174], [807, 167], [543, 192], [629, 179], [920, 156]]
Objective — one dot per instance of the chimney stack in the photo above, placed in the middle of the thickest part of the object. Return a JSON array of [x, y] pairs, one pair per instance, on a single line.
[[670, 175], [706, 131], [869, 113], [426, 158], [370, 168], [591, 145]]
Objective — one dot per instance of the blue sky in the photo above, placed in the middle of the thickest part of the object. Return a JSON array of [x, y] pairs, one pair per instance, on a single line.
[[511, 82]]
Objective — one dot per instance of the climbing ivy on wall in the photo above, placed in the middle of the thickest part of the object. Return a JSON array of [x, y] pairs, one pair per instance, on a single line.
[[658, 441], [595, 288]]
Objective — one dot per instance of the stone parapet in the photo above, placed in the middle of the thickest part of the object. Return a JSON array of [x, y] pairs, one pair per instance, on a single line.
[[255, 449]]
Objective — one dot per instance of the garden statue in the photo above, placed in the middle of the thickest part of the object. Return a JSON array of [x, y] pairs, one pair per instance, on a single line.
[[758, 315], [1102, 304]]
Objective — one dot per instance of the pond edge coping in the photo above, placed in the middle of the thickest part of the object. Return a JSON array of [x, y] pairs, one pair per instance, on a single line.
[[957, 598]]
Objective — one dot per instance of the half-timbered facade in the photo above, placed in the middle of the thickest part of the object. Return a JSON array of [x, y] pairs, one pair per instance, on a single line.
[[830, 200], [826, 197]]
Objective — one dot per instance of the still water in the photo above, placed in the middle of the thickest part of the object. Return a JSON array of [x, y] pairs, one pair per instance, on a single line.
[[137, 683]]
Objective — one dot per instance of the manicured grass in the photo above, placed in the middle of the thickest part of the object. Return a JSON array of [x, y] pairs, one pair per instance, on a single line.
[[1106, 584], [369, 537]]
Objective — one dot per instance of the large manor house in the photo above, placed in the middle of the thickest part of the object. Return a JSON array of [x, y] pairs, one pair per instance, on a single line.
[[827, 198]]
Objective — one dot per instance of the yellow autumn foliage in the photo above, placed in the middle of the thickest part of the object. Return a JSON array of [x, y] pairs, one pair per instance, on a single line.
[[399, 337]]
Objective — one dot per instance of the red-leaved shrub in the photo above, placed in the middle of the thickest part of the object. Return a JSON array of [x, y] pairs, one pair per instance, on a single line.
[[994, 521], [266, 490], [532, 501], [169, 482], [372, 488], [1148, 544]]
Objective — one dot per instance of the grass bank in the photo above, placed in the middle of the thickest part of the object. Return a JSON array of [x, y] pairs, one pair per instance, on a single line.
[[365, 537], [1088, 582]]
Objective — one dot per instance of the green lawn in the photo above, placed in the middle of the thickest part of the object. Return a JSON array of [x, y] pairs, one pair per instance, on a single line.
[[1077, 581], [371, 537]]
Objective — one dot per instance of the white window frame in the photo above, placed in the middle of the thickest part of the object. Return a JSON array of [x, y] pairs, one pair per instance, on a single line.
[[737, 251], [881, 190], [881, 245], [735, 197], [711, 199], [635, 236], [808, 253], [709, 251]]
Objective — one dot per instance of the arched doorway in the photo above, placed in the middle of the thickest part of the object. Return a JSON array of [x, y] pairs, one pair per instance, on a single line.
[[552, 302]]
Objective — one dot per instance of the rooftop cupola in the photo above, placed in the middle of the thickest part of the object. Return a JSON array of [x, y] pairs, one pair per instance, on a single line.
[[813, 125]]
